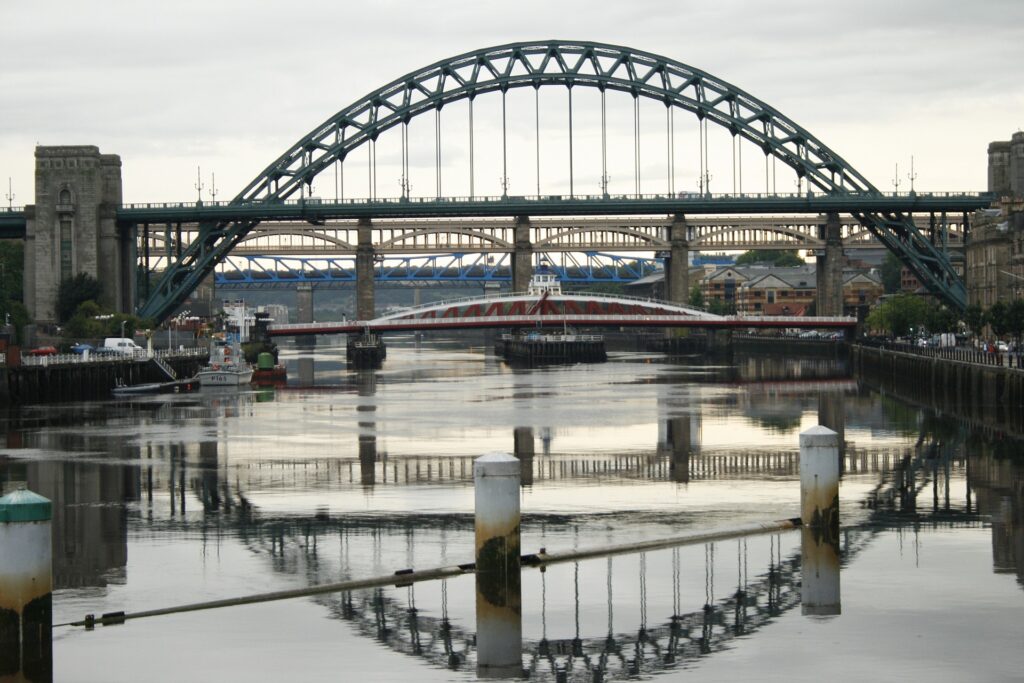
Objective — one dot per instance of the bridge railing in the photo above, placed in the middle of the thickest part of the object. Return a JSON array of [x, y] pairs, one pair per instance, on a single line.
[[462, 199], [515, 296], [79, 359], [567, 319]]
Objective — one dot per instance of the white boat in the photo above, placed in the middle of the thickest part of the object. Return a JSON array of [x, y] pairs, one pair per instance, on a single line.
[[227, 368]]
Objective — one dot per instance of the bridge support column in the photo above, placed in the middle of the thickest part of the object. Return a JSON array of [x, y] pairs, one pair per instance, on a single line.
[[304, 303], [364, 271], [367, 430], [677, 447], [522, 257], [72, 229], [832, 414], [677, 266], [830, 268], [523, 449]]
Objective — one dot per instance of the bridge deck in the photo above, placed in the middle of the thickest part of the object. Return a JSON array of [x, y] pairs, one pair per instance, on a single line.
[[552, 205]]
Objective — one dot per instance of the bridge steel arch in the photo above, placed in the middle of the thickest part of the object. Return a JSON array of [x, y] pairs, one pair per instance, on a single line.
[[565, 64]]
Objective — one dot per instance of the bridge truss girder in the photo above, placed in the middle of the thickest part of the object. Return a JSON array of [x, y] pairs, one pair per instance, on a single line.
[[548, 235], [544, 64], [269, 272]]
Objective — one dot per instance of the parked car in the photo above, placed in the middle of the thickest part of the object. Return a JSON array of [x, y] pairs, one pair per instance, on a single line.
[[122, 345], [43, 351], [1002, 346], [82, 347]]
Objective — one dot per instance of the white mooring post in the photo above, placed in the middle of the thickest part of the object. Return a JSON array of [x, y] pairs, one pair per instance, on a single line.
[[26, 584], [819, 512], [499, 623]]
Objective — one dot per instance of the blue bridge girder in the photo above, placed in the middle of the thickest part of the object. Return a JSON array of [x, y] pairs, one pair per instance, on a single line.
[[276, 272]]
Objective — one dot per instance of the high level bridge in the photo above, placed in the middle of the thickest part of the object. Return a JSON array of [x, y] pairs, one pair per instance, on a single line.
[[80, 223]]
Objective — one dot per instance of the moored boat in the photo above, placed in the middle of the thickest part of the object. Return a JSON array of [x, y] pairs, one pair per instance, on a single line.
[[227, 368], [173, 387]]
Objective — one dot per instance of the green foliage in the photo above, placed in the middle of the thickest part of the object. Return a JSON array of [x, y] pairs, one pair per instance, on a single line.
[[1015, 318], [696, 296], [974, 318], [721, 307], [16, 313], [73, 292], [998, 318], [941, 319], [90, 321], [84, 324], [12, 267], [891, 271], [899, 314], [780, 258]]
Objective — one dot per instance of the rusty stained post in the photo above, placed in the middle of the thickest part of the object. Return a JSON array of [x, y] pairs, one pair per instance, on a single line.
[[819, 512], [499, 621], [26, 584]]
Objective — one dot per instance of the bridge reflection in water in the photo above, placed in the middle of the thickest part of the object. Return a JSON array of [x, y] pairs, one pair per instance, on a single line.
[[612, 618]]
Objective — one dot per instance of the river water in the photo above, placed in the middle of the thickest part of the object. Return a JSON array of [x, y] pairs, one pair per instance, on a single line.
[[165, 501]]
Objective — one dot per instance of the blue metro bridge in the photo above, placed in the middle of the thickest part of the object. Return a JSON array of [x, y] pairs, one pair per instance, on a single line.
[[80, 223]]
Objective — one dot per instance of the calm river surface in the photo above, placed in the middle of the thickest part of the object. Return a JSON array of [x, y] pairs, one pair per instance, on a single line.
[[171, 500]]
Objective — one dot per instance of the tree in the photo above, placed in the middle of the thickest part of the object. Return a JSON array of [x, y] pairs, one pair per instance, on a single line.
[[1015, 319], [899, 314], [941, 319], [892, 273], [696, 296], [90, 321], [12, 267], [75, 291], [974, 318], [779, 258], [722, 307], [998, 318]]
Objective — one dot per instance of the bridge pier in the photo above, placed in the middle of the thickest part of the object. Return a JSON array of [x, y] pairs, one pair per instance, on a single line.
[[72, 228], [677, 447], [365, 309], [829, 299], [677, 266], [367, 429], [523, 449], [304, 303], [522, 257]]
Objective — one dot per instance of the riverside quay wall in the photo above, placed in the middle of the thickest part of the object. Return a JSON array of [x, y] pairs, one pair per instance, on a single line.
[[980, 388], [68, 378]]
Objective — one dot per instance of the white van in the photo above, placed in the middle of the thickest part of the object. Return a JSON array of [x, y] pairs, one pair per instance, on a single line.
[[121, 345]]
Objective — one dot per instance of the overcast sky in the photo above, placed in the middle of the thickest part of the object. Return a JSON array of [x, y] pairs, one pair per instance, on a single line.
[[230, 85]]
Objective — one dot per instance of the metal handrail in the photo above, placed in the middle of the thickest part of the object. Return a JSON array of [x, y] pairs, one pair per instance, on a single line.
[[79, 359], [559, 318], [705, 196]]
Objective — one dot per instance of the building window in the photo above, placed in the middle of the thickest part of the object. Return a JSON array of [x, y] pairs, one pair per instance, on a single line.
[[64, 197], [65, 248]]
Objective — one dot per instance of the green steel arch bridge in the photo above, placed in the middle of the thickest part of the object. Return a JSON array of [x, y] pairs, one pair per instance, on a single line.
[[825, 182]]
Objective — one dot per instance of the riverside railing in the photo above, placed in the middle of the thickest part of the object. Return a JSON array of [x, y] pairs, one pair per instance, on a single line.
[[953, 353], [93, 358]]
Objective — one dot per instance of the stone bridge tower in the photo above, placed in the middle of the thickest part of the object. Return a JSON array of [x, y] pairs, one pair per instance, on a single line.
[[72, 229]]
